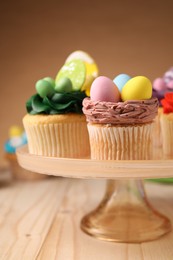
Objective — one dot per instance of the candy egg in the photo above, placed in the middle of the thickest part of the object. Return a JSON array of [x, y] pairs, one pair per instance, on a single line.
[[121, 80], [63, 85], [137, 88], [75, 70], [103, 89], [159, 84], [80, 55], [44, 88]]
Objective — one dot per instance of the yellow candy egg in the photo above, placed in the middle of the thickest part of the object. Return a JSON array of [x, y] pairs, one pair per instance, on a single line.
[[15, 131], [91, 74], [137, 88]]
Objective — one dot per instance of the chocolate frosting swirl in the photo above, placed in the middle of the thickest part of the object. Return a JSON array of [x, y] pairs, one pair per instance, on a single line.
[[122, 113]]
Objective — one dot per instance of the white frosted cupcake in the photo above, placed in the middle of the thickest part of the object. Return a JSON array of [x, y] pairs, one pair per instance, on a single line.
[[120, 121]]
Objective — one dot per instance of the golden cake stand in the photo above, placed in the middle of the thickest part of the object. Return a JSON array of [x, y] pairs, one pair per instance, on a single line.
[[124, 214]]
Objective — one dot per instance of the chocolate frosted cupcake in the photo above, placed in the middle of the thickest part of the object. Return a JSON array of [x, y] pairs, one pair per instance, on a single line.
[[120, 130], [55, 125]]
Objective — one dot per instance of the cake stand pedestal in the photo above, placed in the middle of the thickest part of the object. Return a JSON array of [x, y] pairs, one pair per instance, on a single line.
[[124, 214]]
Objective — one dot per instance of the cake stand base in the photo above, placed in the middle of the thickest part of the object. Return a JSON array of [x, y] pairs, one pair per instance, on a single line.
[[125, 215]]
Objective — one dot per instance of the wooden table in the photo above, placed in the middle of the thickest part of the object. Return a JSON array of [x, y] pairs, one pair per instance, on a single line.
[[41, 220]]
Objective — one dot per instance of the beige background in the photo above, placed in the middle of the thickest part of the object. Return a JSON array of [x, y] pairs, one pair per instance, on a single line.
[[134, 37]]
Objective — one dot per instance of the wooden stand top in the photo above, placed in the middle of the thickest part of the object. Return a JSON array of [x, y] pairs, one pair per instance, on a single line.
[[158, 167]]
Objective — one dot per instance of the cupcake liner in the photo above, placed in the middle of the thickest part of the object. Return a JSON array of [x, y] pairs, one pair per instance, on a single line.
[[120, 142], [157, 139], [58, 139], [167, 133]]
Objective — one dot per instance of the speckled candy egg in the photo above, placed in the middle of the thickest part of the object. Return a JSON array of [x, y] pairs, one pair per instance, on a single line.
[[103, 89], [137, 88]]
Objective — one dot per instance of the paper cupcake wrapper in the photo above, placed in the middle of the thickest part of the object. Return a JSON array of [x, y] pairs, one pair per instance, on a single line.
[[58, 140], [167, 135], [120, 143], [157, 140]]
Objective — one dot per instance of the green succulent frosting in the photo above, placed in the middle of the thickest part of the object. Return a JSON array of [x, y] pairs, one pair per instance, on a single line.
[[61, 96], [58, 103]]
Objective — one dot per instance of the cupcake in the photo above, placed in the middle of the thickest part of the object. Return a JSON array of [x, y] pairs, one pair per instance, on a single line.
[[166, 122], [54, 124], [161, 86], [120, 116], [17, 138]]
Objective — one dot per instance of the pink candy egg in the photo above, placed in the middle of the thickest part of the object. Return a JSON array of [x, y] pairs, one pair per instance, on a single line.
[[159, 84], [103, 89]]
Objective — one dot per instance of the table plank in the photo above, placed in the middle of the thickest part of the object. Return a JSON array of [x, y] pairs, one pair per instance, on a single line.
[[69, 242], [41, 221], [27, 213]]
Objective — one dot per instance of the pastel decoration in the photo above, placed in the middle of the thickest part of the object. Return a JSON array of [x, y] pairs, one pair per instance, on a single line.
[[137, 88], [91, 73], [121, 80], [159, 84], [15, 131], [90, 67], [63, 85], [75, 70], [17, 138], [80, 55], [168, 76], [103, 89], [24, 138], [170, 85], [16, 141], [44, 88], [52, 81], [8, 148]]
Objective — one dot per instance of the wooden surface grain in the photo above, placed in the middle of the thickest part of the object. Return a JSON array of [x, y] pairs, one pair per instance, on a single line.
[[41, 220]]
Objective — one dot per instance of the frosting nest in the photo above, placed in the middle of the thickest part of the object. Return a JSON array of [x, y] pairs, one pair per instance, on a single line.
[[121, 113]]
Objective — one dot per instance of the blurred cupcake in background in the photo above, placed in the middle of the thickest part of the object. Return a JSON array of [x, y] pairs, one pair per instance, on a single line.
[[161, 86], [166, 122], [17, 138]]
